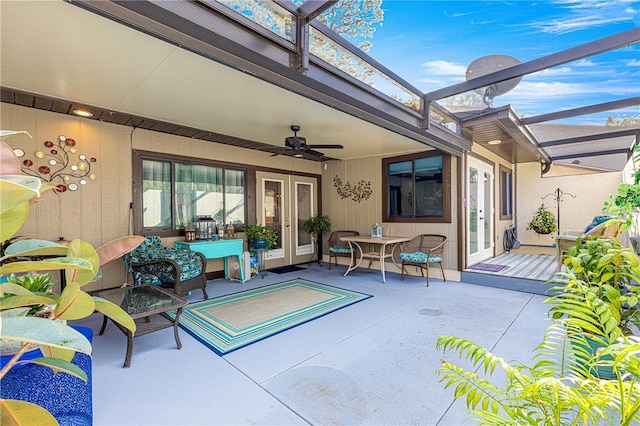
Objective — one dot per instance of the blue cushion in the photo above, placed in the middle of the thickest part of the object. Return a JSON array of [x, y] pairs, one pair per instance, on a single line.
[[419, 257], [596, 221], [152, 249], [340, 249]]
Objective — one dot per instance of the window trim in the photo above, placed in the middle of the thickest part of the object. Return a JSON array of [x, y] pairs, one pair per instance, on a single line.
[[503, 169], [446, 188], [139, 156]]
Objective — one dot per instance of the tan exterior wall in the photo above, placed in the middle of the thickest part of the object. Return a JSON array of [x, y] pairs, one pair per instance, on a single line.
[[99, 211], [347, 214], [590, 191]]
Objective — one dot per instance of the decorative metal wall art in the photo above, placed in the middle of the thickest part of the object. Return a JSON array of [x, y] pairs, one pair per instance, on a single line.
[[59, 165], [357, 192]]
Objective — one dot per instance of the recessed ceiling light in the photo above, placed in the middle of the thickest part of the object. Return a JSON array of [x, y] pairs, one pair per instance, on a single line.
[[82, 113], [495, 142]]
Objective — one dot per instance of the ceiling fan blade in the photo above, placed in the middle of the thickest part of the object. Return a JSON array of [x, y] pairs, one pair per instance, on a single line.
[[326, 146], [313, 152]]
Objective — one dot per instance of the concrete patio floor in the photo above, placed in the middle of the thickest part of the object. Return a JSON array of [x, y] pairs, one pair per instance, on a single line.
[[372, 363]]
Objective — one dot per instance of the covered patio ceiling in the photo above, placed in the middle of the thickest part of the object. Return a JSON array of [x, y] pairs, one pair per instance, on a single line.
[[203, 71]]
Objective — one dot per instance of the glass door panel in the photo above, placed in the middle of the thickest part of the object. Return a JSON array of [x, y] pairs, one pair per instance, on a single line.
[[480, 211], [473, 210], [272, 214], [304, 210], [487, 207], [283, 203]]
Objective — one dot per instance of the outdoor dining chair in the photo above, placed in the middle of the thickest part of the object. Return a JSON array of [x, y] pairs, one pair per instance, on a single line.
[[422, 251], [340, 248]]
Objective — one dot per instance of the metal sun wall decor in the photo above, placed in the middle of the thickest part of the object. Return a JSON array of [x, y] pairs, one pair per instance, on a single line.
[[357, 192], [59, 164]]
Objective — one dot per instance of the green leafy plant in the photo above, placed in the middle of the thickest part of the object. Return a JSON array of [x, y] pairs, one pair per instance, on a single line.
[[624, 205], [600, 274], [585, 369], [255, 232], [543, 221], [35, 283], [317, 225], [58, 342], [553, 391]]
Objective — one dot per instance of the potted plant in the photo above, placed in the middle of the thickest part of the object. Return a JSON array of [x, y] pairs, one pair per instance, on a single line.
[[543, 221], [597, 296], [58, 341], [549, 392], [594, 304], [625, 204], [261, 237], [316, 226]]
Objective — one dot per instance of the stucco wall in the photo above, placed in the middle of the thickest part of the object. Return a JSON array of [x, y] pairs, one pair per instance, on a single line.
[[590, 191]]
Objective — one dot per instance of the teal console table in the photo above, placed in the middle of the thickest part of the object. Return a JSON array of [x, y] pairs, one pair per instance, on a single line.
[[218, 249]]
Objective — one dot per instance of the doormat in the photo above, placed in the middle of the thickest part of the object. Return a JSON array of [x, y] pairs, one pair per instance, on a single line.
[[488, 267], [285, 269], [230, 322]]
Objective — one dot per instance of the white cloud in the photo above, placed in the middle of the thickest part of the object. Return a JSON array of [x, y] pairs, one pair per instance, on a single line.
[[633, 63], [445, 68], [541, 89], [584, 14], [585, 63], [555, 71]]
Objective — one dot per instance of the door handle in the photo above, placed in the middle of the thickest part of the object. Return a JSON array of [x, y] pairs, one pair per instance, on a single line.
[[287, 223]]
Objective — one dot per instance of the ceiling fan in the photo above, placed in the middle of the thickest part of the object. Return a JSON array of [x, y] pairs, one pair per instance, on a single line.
[[297, 146]]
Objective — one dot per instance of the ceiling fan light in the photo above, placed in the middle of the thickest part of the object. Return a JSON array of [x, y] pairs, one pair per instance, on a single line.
[[298, 155], [82, 113]]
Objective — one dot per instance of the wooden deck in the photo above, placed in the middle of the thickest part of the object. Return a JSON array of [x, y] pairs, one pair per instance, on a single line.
[[523, 272]]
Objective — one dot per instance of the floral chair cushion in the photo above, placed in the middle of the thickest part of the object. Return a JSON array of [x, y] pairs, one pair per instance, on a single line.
[[162, 273], [419, 257], [340, 249]]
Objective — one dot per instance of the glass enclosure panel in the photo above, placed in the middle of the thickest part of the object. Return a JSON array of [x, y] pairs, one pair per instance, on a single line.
[[473, 210], [304, 210], [487, 210], [400, 189], [428, 186], [272, 213], [198, 193], [267, 14], [439, 117], [156, 194], [339, 57], [234, 197]]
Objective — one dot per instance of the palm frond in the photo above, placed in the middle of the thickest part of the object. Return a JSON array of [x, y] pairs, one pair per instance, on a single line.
[[478, 390]]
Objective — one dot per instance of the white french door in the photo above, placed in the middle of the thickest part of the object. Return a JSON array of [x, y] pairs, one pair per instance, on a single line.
[[480, 210], [283, 202]]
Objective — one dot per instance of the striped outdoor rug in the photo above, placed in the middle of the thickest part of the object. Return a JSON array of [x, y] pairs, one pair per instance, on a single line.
[[230, 322]]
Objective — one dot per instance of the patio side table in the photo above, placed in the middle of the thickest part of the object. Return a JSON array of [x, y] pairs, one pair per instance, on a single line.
[[147, 305]]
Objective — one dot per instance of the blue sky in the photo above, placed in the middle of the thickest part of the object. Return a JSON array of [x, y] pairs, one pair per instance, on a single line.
[[431, 43]]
